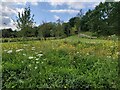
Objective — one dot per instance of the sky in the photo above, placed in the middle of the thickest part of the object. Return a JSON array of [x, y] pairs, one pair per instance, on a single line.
[[43, 10]]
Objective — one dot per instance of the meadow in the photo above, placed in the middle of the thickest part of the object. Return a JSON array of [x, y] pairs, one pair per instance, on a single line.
[[62, 63]]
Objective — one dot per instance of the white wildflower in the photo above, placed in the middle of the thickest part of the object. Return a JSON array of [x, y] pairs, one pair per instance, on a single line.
[[10, 51], [19, 50], [35, 67], [22, 61], [24, 54], [87, 54], [111, 46], [118, 53], [40, 51], [25, 44], [108, 56], [29, 65], [30, 57], [40, 55], [37, 59], [37, 62], [33, 48]]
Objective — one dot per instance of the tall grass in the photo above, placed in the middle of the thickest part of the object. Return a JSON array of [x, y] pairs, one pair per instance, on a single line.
[[67, 63]]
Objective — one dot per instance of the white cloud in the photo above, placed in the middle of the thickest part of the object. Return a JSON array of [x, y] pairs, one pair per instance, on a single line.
[[56, 17], [6, 12], [7, 22], [23, 2], [74, 3], [70, 11]]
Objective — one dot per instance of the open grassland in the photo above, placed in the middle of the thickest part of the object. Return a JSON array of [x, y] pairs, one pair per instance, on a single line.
[[64, 63]]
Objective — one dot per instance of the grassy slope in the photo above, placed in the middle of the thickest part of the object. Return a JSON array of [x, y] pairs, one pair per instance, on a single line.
[[70, 62]]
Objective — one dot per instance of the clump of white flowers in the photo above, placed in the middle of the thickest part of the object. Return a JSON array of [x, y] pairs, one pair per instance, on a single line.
[[33, 48], [19, 50], [30, 57], [9, 51], [40, 55]]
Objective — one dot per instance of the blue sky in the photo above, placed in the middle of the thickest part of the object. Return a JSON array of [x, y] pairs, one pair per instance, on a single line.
[[46, 12], [43, 11]]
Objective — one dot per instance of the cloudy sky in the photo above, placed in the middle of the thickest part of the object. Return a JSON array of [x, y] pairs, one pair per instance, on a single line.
[[43, 10]]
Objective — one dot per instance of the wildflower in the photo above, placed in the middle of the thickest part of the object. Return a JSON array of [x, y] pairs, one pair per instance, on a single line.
[[25, 44], [40, 55], [74, 61], [111, 46], [37, 62], [118, 53], [77, 52], [35, 67], [40, 51], [19, 50], [108, 56], [33, 48], [87, 54], [24, 54], [30, 57], [22, 61], [37, 59], [10, 51], [29, 65]]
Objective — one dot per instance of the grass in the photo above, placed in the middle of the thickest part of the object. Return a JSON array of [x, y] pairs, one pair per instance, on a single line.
[[62, 63]]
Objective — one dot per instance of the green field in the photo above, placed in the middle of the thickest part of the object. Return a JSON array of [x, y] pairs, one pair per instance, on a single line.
[[62, 63]]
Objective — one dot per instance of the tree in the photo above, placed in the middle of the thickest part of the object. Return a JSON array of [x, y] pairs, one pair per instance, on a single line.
[[79, 20], [59, 30], [66, 28], [25, 21], [6, 33]]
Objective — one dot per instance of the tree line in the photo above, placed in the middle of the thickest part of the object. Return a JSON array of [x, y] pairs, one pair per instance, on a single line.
[[102, 20]]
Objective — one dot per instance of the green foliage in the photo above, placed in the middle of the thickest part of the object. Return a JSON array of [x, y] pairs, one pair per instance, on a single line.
[[103, 20], [25, 22]]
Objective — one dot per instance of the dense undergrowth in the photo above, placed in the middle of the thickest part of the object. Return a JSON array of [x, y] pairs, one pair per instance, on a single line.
[[66, 63]]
